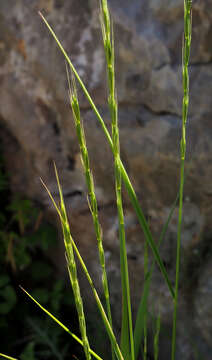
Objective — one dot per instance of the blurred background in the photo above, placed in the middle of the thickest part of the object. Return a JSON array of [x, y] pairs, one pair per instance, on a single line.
[[36, 128]]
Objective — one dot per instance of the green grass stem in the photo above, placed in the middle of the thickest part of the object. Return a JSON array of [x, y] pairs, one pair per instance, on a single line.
[[127, 327], [90, 281], [146, 265], [142, 308], [156, 337], [7, 357], [91, 189], [60, 324], [185, 59], [72, 269], [126, 180]]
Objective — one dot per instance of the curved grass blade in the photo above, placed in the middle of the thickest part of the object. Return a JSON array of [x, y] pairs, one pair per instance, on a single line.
[[127, 341], [142, 309], [7, 357], [60, 324], [126, 180], [146, 261], [141, 314]]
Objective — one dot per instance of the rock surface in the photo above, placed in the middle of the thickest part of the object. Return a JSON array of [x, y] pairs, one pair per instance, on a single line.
[[36, 127]]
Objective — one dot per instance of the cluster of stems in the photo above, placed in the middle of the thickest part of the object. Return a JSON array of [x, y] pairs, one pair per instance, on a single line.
[[130, 342]]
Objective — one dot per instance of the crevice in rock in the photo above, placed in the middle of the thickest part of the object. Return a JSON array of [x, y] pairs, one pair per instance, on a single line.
[[195, 263], [71, 163], [69, 194], [207, 63], [73, 193], [161, 112], [56, 128], [160, 67]]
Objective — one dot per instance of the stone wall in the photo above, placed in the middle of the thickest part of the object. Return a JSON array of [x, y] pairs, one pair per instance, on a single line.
[[36, 127]]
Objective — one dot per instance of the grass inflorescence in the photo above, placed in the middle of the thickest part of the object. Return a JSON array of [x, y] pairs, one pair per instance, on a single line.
[[133, 339], [127, 326], [185, 57]]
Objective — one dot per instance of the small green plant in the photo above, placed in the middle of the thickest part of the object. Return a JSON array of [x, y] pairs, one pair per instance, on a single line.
[[129, 346], [25, 237]]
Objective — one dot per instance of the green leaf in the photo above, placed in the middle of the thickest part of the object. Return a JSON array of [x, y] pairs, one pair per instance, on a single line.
[[29, 352], [140, 318]]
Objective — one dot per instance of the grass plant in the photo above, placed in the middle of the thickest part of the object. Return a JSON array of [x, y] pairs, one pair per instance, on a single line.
[[129, 346]]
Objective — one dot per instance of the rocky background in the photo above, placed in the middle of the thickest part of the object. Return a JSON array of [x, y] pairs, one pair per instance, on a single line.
[[36, 127]]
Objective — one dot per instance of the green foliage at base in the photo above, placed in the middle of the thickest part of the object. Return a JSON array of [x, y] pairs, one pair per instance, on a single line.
[[25, 238]]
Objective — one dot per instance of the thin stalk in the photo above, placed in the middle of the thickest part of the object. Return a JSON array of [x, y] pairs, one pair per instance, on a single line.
[[156, 337], [91, 190], [108, 40], [185, 57], [101, 309], [7, 357], [73, 272], [60, 324], [142, 309], [145, 314], [90, 281], [125, 178]]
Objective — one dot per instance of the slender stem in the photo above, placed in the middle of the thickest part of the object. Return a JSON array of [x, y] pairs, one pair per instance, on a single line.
[[60, 324], [108, 40], [90, 281], [99, 304], [186, 56], [72, 269], [70, 245], [7, 357], [156, 338], [146, 260], [91, 190]]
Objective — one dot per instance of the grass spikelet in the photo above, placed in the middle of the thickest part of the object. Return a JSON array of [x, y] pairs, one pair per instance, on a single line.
[[64, 222], [91, 189], [72, 269], [108, 41], [185, 60]]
